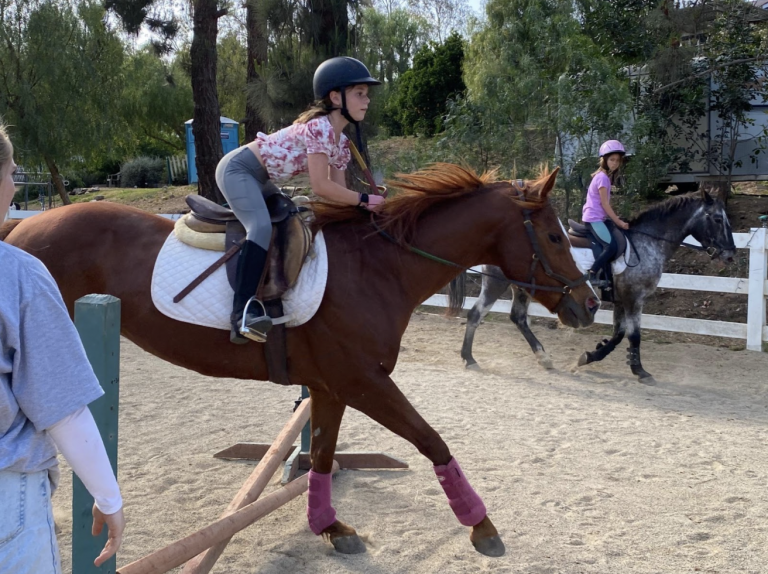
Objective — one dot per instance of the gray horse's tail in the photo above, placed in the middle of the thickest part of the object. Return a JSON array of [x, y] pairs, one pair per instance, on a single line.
[[457, 292]]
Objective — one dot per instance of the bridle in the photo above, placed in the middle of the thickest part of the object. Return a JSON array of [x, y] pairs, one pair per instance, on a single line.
[[537, 258], [713, 250]]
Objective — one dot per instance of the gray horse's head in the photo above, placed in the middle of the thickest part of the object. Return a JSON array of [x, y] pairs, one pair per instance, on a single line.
[[711, 228]]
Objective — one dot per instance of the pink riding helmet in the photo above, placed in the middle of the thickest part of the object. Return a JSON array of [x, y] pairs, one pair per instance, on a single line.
[[612, 146]]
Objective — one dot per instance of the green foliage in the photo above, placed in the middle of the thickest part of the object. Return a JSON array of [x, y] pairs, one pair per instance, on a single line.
[[61, 71], [142, 172], [156, 101], [423, 92]]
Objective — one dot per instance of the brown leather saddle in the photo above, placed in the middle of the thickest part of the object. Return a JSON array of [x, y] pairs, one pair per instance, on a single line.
[[291, 242], [291, 239]]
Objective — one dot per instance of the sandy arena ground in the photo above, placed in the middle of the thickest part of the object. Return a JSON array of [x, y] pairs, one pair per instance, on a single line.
[[581, 472]]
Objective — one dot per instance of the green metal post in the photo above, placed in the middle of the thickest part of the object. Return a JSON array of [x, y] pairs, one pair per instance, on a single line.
[[97, 318], [305, 436]]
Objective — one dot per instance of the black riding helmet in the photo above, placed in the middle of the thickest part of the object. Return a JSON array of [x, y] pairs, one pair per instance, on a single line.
[[339, 73]]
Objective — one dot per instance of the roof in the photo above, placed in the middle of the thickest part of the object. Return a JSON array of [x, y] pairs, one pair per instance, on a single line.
[[224, 120]]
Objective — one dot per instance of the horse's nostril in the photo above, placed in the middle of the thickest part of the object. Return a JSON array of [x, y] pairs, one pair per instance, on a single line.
[[593, 305]]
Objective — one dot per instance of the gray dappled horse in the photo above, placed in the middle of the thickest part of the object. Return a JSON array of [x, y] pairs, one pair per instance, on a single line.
[[655, 234]]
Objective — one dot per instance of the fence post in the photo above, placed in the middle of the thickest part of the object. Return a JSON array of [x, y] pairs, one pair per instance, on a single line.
[[758, 263], [97, 318]]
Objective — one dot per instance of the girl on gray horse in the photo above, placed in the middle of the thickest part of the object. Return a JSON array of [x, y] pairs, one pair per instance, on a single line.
[[315, 144], [598, 214]]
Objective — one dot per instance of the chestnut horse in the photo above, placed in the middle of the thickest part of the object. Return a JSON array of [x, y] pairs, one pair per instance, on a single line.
[[347, 351]]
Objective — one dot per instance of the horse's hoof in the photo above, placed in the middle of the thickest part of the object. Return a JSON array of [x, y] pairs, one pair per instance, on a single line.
[[492, 546], [584, 359], [545, 360], [647, 380], [348, 544], [473, 367]]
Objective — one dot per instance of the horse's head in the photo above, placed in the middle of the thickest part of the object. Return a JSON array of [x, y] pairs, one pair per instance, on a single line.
[[539, 259], [710, 227]]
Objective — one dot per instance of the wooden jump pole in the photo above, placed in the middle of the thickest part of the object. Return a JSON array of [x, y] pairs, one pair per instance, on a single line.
[[253, 487], [177, 553]]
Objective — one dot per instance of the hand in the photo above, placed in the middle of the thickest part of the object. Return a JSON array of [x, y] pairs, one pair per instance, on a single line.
[[374, 202], [115, 525], [622, 224]]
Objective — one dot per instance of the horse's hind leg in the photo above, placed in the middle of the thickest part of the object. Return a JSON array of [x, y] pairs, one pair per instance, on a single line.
[[326, 418], [519, 316], [605, 347], [492, 289], [380, 399]]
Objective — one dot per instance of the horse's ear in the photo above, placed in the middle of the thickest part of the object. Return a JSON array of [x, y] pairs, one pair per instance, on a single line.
[[705, 197], [549, 184]]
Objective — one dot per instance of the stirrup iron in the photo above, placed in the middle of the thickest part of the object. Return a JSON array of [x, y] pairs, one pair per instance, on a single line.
[[258, 328]]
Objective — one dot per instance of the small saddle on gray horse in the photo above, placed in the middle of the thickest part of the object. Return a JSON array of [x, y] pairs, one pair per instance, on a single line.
[[582, 236]]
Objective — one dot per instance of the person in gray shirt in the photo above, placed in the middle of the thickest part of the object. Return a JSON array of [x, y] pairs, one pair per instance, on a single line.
[[46, 384]]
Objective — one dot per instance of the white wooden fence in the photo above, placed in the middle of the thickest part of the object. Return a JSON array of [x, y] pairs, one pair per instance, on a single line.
[[755, 287]]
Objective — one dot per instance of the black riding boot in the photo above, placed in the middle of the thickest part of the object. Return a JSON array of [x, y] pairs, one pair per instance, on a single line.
[[250, 267]]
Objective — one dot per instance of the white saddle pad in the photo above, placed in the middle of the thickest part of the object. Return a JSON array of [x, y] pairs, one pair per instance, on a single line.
[[210, 303], [584, 259]]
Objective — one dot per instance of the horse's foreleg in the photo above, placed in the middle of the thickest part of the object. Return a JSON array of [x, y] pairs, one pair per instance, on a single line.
[[381, 400], [605, 347], [633, 354], [519, 316], [491, 291], [324, 425]]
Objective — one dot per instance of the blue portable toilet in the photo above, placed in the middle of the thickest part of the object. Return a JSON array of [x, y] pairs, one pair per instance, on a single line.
[[229, 141]]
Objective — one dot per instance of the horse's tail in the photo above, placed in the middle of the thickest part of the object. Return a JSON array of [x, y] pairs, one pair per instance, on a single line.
[[8, 226], [457, 292]]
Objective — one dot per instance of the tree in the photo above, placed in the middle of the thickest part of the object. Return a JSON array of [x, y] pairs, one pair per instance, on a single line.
[[60, 70], [206, 126], [423, 92], [257, 48], [155, 102]]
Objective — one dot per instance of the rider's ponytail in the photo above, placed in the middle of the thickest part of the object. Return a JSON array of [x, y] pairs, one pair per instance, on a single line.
[[317, 109]]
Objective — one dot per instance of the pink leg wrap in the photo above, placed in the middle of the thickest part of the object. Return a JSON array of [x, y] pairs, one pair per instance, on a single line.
[[320, 513], [465, 503]]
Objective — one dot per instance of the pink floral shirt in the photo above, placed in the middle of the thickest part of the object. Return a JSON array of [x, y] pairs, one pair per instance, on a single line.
[[284, 152]]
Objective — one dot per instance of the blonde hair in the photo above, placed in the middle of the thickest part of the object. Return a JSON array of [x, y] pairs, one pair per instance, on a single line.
[[317, 109], [6, 150]]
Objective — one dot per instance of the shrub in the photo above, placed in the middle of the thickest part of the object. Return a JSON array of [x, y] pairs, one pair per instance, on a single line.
[[142, 172]]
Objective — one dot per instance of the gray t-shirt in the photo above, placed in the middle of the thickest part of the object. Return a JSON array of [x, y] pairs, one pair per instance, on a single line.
[[44, 373]]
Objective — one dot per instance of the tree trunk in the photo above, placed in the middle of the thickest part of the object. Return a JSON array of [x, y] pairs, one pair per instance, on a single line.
[[257, 55], [58, 182], [206, 124], [330, 26]]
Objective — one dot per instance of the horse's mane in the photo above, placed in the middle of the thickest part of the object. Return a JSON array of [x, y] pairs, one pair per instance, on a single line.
[[664, 208], [415, 193]]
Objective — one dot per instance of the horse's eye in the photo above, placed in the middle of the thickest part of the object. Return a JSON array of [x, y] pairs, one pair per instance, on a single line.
[[718, 219], [555, 238]]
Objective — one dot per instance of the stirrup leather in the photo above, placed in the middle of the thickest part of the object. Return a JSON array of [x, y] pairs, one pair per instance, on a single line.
[[258, 328]]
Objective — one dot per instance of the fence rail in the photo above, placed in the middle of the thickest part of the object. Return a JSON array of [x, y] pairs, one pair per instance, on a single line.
[[755, 287]]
